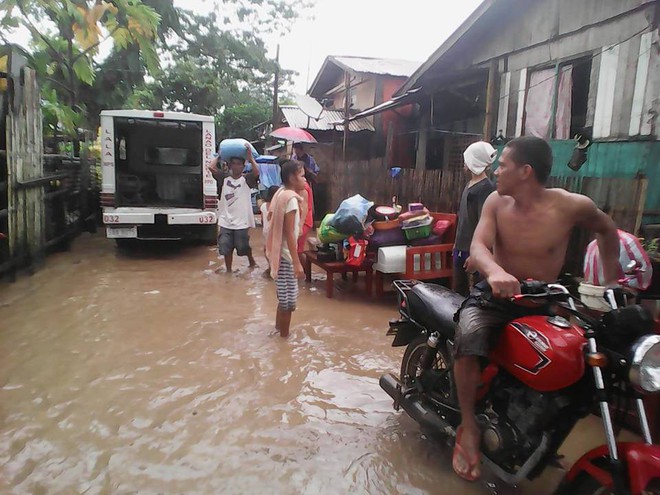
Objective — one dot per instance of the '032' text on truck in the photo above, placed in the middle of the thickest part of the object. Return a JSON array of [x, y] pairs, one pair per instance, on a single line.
[[156, 184]]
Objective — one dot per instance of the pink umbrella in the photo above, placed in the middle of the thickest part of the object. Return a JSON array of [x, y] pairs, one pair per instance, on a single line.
[[294, 134]]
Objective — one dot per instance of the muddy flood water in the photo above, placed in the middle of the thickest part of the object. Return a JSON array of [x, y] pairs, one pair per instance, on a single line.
[[147, 372]]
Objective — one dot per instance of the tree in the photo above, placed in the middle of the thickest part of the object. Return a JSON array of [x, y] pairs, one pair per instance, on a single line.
[[221, 70], [66, 35], [120, 78]]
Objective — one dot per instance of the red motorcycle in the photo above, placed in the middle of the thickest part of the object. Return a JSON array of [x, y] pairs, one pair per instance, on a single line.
[[543, 376]]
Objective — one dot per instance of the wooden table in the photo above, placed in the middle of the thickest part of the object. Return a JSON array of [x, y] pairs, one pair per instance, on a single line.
[[332, 267]]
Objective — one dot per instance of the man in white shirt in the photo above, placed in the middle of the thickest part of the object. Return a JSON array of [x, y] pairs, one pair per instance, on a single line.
[[235, 215]]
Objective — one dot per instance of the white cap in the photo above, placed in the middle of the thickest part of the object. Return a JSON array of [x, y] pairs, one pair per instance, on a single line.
[[478, 156]]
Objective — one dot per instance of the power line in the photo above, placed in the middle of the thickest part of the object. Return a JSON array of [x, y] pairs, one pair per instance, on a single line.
[[581, 61]]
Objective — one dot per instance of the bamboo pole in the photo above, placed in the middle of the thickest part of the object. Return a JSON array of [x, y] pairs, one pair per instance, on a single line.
[[640, 201], [347, 106]]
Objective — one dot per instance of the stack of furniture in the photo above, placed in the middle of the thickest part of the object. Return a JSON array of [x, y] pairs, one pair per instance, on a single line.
[[421, 262]]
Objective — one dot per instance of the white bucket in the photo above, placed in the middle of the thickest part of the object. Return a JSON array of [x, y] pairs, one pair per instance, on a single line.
[[592, 296], [391, 259]]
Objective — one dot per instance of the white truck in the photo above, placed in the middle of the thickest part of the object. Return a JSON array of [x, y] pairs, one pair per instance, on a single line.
[[156, 183]]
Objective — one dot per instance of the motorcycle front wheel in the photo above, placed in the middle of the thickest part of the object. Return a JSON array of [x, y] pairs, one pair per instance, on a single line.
[[584, 484], [411, 367]]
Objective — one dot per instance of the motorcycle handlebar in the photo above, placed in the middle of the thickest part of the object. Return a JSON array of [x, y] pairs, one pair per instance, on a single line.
[[530, 287], [535, 289]]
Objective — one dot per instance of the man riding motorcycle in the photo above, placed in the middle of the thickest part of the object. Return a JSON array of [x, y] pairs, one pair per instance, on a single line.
[[523, 234]]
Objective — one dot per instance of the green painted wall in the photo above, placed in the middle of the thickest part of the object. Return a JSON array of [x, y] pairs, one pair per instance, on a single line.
[[616, 159]]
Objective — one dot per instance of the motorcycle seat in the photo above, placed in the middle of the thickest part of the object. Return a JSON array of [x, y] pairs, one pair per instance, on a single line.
[[434, 306]]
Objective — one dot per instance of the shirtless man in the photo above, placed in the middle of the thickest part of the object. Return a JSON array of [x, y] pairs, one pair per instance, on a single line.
[[523, 233]]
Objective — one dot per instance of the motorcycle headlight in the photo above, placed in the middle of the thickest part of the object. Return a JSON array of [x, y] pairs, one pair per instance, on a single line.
[[645, 368]]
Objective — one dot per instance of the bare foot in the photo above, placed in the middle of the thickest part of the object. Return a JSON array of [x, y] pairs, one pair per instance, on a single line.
[[223, 270], [466, 458]]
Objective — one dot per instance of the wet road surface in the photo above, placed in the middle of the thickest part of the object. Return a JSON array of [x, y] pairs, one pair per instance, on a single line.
[[147, 372]]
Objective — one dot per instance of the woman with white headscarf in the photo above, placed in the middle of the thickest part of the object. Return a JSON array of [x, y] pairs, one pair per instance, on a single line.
[[477, 157]]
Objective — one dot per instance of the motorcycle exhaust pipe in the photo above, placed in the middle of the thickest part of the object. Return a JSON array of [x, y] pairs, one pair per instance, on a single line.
[[414, 407]]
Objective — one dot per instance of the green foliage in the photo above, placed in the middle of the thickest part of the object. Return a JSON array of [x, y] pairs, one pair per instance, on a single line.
[[215, 64], [58, 117], [239, 120], [66, 35], [652, 247], [223, 71]]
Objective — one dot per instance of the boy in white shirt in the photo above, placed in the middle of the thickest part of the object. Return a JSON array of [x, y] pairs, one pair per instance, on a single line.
[[235, 215]]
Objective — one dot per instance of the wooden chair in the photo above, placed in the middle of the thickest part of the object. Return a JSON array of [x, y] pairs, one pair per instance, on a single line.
[[427, 262]]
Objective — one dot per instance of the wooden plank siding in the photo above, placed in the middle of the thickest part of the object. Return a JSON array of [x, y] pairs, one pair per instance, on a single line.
[[440, 190], [27, 228], [520, 109], [641, 80], [609, 61], [617, 35], [625, 78]]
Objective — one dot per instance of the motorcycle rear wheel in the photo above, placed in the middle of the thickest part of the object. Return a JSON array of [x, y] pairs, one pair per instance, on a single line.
[[411, 365]]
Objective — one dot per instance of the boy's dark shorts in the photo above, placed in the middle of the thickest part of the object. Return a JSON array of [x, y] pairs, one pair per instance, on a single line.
[[230, 239], [481, 320]]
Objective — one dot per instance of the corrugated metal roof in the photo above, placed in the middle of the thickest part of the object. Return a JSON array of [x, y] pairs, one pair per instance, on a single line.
[[295, 117], [382, 66], [448, 44]]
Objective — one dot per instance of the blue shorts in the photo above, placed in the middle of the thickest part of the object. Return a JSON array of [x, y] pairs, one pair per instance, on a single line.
[[230, 239], [460, 257]]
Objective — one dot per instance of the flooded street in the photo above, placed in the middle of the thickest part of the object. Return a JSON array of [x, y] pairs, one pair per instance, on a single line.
[[147, 372]]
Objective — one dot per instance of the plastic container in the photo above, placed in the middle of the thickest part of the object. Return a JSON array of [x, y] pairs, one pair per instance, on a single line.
[[386, 213], [413, 214], [417, 232], [391, 259], [440, 227], [386, 224], [235, 148], [419, 221], [592, 296]]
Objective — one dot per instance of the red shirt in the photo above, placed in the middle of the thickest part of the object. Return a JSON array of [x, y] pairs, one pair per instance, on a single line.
[[309, 219]]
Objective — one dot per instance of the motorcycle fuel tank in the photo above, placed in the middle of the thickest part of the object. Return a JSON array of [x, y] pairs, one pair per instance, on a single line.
[[543, 355]]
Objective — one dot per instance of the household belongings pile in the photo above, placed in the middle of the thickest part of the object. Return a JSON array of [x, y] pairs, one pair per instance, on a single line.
[[384, 230]]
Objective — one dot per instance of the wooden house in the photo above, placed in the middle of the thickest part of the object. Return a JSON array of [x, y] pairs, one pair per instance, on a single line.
[[552, 68]]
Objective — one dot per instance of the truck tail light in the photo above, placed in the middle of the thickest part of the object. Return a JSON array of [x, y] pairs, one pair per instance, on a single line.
[[108, 199], [159, 115], [210, 203]]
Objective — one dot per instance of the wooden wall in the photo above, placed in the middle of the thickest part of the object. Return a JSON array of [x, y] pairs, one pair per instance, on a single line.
[[618, 36], [440, 190], [26, 221], [625, 69]]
